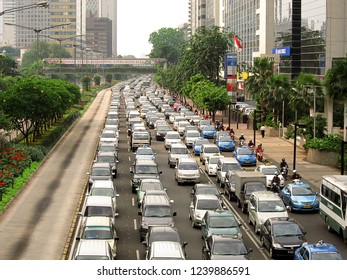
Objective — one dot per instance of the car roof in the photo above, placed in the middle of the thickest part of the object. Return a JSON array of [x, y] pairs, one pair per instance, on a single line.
[[178, 145], [102, 184], [92, 247], [101, 164], [228, 159], [281, 220], [207, 196], [167, 249], [220, 212], [266, 195], [96, 200], [223, 237], [98, 221], [145, 161], [320, 247]]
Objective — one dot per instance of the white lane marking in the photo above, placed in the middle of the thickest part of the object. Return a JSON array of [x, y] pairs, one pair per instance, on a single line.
[[137, 254], [135, 224], [132, 201]]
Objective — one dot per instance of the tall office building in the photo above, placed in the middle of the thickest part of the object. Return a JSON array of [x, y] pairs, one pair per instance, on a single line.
[[108, 9]]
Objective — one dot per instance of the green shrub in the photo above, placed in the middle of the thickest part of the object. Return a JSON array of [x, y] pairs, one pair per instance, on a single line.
[[71, 118], [53, 137], [330, 143], [37, 153]]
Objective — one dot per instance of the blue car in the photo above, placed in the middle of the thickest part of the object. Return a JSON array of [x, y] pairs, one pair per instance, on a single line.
[[300, 197], [197, 145], [245, 156], [208, 131], [318, 251], [225, 143]]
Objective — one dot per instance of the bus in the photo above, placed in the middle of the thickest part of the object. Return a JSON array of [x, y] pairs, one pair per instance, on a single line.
[[332, 206]]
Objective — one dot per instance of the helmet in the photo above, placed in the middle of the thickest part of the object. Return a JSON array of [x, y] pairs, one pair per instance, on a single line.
[[241, 134], [283, 159], [276, 173], [294, 171]]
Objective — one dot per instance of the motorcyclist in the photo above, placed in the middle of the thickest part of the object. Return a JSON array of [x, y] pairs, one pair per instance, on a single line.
[[250, 144], [242, 140], [275, 183], [296, 175], [259, 149], [284, 166]]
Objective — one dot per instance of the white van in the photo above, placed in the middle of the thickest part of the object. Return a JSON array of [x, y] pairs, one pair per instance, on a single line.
[[99, 206], [263, 205]]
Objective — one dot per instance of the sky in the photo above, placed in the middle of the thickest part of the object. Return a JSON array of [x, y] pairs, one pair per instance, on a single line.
[[137, 19]]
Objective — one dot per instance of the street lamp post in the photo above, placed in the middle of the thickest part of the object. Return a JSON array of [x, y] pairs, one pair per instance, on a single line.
[[255, 125], [25, 7], [296, 125], [38, 31]]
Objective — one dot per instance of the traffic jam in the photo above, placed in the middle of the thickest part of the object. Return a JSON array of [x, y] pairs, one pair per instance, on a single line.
[[197, 190]]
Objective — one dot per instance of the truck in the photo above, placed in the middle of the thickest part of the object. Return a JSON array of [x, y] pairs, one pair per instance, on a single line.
[[246, 183]]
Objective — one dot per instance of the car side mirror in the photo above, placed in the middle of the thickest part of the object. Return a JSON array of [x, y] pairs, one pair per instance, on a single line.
[[139, 213], [174, 213]]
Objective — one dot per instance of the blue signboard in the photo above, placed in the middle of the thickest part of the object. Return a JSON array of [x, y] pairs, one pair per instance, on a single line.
[[283, 51]]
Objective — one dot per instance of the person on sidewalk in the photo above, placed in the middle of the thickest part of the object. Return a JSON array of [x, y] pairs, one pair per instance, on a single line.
[[262, 131]]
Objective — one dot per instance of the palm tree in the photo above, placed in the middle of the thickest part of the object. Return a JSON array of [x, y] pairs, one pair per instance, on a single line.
[[278, 93], [301, 98], [336, 86], [257, 83]]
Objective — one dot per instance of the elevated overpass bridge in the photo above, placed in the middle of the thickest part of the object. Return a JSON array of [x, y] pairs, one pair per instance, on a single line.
[[90, 67]]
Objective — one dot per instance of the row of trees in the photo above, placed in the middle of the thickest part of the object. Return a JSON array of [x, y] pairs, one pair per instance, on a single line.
[[33, 104], [194, 72]]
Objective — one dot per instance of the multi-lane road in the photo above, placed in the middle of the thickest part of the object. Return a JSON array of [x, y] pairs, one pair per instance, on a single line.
[[38, 224]]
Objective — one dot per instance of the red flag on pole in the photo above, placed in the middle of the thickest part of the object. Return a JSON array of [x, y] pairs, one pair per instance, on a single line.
[[237, 43]]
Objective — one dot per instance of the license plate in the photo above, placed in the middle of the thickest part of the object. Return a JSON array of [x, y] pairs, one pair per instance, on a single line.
[[247, 161], [291, 252], [307, 206], [227, 148]]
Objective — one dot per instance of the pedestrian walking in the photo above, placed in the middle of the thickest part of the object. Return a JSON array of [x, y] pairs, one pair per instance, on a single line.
[[262, 131]]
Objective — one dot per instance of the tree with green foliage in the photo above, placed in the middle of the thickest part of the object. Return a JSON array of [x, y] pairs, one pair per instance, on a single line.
[[301, 97], [336, 86], [207, 96], [257, 83], [97, 79], [8, 66], [86, 83], [109, 78], [205, 53], [167, 43]]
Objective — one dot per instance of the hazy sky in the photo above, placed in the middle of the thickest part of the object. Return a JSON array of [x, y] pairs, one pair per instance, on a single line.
[[137, 19]]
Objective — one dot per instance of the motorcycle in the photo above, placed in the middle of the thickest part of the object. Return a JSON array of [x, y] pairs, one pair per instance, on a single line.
[[259, 154], [275, 188], [284, 172]]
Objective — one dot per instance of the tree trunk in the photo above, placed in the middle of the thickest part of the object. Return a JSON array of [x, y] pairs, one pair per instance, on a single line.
[[345, 120]]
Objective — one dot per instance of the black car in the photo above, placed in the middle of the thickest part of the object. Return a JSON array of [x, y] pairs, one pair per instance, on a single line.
[[160, 132], [281, 236], [224, 247], [141, 169]]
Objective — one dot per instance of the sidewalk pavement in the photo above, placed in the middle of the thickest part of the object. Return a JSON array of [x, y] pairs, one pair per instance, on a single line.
[[276, 148]]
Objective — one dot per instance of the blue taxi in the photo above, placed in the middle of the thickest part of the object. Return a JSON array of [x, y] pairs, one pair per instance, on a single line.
[[317, 251], [197, 145], [245, 156], [208, 131], [225, 143]]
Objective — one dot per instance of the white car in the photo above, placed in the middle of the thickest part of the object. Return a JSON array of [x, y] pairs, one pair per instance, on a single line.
[[171, 137], [211, 165], [269, 171], [190, 136], [177, 151], [187, 171], [200, 204]]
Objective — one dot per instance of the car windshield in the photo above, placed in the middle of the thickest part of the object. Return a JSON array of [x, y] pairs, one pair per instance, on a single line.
[[208, 204], [97, 232], [164, 236], [200, 142], [188, 166], [209, 128], [222, 222], [270, 171], [179, 151], [286, 229], [151, 186], [109, 159], [140, 136], [163, 128], [193, 134], [108, 135], [144, 152], [244, 152], [105, 148], [102, 192], [99, 211], [207, 190], [146, 169], [225, 139], [326, 256], [173, 136], [229, 166], [101, 172], [211, 150], [271, 206], [229, 248], [302, 191], [157, 211], [213, 160]]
